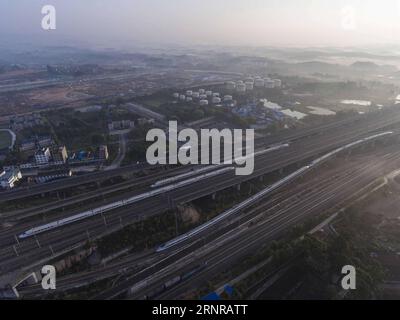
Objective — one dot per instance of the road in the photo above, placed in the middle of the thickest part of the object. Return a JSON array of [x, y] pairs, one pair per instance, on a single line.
[[120, 155], [145, 112]]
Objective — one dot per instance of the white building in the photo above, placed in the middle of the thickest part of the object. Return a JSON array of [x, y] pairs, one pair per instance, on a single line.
[[204, 102], [209, 93], [189, 99], [196, 95], [176, 95], [182, 97], [28, 145], [42, 156], [9, 177], [202, 91], [189, 93], [228, 98], [103, 152]]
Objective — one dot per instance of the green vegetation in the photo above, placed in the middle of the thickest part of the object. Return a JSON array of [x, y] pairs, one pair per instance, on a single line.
[[142, 235], [137, 145], [5, 139], [319, 263], [78, 130], [39, 130]]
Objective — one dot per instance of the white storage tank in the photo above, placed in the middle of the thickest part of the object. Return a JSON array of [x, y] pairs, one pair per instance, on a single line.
[[182, 97], [249, 85], [215, 94], [259, 83], [203, 96], [196, 95], [176, 95], [277, 83], [270, 84], [228, 98], [189, 93], [241, 87], [202, 91], [230, 85], [209, 93], [204, 102], [189, 99], [216, 100]]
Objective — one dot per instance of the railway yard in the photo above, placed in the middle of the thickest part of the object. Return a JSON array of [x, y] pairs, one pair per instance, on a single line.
[[199, 160], [319, 171]]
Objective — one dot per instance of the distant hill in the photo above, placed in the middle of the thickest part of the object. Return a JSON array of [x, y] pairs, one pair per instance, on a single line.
[[371, 66]]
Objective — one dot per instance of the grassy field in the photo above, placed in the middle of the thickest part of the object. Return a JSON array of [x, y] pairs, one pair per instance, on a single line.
[[5, 139]]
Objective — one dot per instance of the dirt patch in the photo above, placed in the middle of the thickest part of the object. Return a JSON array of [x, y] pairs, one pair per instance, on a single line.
[[57, 95], [189, 214]]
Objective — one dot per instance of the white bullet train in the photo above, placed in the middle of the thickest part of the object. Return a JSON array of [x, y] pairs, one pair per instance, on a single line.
[[118, 204], [232, 211], [215, 166]]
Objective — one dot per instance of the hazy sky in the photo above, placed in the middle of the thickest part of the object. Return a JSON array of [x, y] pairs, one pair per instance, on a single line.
[[225, 22]]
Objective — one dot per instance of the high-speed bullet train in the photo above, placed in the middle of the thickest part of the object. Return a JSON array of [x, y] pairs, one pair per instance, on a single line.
[[232, 211], [118, 204], [182, 176], [348, 146], [215, 166], [264, 192]]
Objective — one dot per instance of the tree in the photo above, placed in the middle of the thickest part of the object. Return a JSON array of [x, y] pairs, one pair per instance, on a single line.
[[97, 139]]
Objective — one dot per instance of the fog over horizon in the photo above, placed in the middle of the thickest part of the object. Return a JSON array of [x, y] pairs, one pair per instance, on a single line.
[[124, 23]]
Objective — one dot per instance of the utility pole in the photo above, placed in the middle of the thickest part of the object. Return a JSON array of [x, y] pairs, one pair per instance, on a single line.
[[16, 239], [37, 241], [172, 207], [15, 250]]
